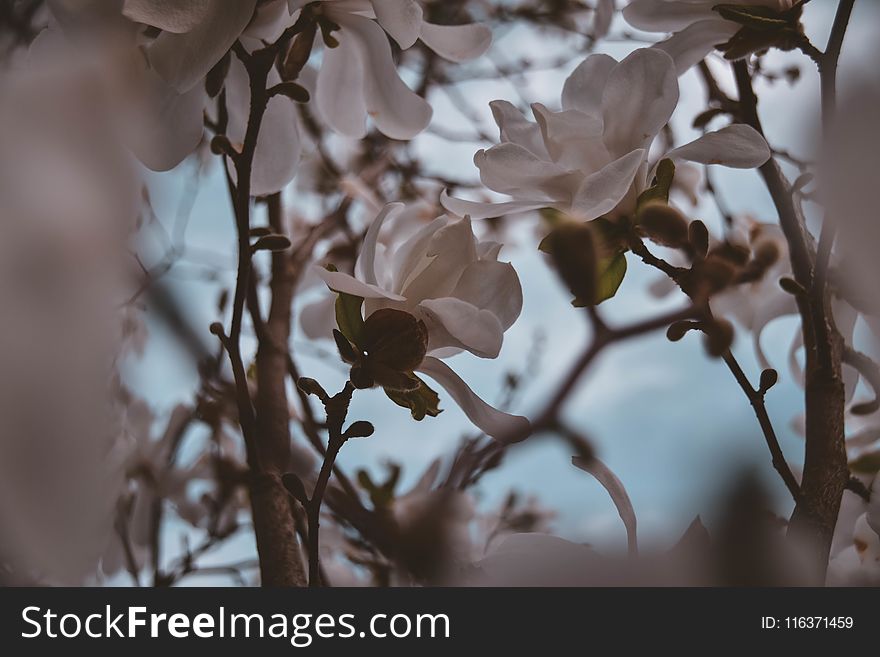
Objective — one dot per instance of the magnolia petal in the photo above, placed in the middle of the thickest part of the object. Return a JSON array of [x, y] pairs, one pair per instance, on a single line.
[[497, 424], [397, 110], [455, 323], [777, 305], [168, 15], [268, 23], [873, 516], [409, 258], [318, 319], [457, 43], [515, 128], [666, 15], [339, 92], [693, 43], [402, 19], [341, 282], [365, 267], [583, 88], [602, 191], [183, 60], [511, 169], [478, 210], [278, 149], [450, 250], [617, 491], [639, 97], [574, 139], [845, 317], [492, 286], [163, 126], [739, 146]]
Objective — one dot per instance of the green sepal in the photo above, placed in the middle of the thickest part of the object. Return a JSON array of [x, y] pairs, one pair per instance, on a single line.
[[659, 189], [421, 402]]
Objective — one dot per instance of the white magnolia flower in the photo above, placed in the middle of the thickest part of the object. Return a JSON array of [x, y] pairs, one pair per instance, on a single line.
[[591, 158], [696, 25], [358, 78], [444, 277]]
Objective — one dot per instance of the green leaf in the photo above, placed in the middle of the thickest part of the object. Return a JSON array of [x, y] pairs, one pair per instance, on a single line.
[[659, 189], [349, 318], [421, 402], [610, 278]]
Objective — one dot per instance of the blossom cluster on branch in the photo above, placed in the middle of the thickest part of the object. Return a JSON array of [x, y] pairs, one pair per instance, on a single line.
[[305, 111]]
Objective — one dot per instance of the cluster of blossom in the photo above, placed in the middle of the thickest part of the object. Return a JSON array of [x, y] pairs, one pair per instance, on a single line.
[[423, 290]]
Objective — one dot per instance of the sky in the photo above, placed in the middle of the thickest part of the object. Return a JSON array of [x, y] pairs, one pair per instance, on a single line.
[[670, 422]]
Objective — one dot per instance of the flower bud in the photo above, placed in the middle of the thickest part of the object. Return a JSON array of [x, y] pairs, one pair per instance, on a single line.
[[663, 224], [765, 254], [698, 236], [769, 377], [677, 330], [396, 339], [719, 337], [573, 249]]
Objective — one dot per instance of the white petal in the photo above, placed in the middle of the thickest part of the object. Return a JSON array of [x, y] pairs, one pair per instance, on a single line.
[[410, 257], [162, 126], [185, 59], [574, 139], [492, 286], [583, 88], [397, 111], [697, 40], [477, 210], [365, 267], [497, 424], [318, 319], [455, 323], [511, 169], [269, 22], [618, 494], [457, 43], [451, 250], [278, 143], [402, 19], [666, 15], [738, 145], [278, 148], [873, 516], [602, 191], [515, 128], [340, 90], [168, 15], [340, 282], [640, 96]]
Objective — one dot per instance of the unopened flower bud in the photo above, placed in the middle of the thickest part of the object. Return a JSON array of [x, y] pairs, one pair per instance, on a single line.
[[573, 249], [765, 254], [396, 339], [719, 337], [663, 224], [769, 377], [677, 330], [698, 236]]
